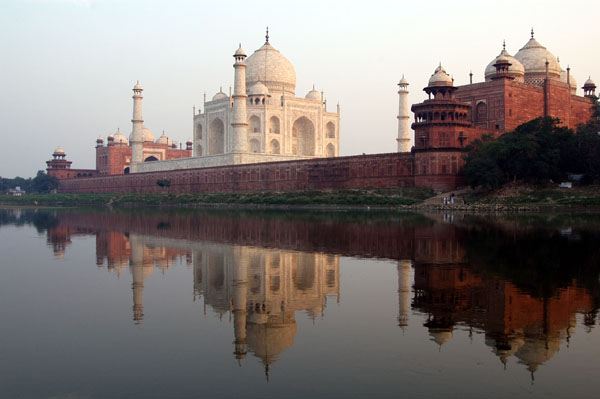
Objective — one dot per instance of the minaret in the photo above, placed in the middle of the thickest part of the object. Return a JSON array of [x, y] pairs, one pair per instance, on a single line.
[[403, 115], [239, 121], [136, 141], [403, 293]]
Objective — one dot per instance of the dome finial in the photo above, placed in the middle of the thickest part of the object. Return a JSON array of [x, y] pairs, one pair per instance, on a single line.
[[532, 32], [504, 45], [267, 36]]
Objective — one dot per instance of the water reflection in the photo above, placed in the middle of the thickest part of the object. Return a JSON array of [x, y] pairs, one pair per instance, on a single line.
[[521, 283]]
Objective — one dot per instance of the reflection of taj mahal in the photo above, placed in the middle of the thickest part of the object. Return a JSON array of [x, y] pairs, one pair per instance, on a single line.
[[264, 289]]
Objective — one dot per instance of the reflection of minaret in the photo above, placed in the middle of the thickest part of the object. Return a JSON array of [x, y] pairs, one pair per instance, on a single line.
[[403, 293], [240, 294], [137, 274]]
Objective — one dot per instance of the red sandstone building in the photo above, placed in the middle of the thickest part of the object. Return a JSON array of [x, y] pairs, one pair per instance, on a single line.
[[114, 157]]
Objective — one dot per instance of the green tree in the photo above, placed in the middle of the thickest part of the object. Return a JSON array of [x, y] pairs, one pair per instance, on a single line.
[[44, 183]]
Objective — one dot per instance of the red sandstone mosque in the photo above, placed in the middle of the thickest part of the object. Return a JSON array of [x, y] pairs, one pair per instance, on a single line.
[[516, 89]]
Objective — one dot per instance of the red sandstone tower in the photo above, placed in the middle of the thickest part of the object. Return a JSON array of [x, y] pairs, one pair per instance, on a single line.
[[441, 128]]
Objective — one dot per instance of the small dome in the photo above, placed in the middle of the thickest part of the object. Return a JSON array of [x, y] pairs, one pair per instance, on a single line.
[[189, 141], [220, 95], [515, 70], [137, 86], [258, 89], [59, 150], [240, 51], [110, 137], [313, 95], [120, 138], [99, 139], [403, 81], [572, 81], [589, 82], [164, 140], [440, 77], [147, 135]]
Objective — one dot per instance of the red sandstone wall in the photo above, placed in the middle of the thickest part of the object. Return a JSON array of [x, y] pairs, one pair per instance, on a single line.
[[380, 170]]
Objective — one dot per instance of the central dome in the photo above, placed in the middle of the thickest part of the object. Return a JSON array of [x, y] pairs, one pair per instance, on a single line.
[[269, 66], [533, 56]]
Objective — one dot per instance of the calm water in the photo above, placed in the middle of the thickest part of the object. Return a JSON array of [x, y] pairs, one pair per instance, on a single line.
[[150, 303]]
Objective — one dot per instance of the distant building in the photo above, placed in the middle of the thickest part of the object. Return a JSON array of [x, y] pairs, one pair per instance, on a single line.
[[16, 192]]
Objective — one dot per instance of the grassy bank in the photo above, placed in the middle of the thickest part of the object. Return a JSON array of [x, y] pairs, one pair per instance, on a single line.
[[375, 197], [545, 196]]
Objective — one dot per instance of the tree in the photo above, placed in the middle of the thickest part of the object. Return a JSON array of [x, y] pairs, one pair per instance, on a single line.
[[44, 183]]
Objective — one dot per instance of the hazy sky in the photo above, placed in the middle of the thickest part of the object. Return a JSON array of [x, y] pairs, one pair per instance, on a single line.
[[67, 66]]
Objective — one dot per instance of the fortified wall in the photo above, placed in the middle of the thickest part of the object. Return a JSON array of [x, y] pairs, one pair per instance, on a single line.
[[363, 171]]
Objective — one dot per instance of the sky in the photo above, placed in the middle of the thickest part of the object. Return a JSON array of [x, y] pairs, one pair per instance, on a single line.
[[67, 67]]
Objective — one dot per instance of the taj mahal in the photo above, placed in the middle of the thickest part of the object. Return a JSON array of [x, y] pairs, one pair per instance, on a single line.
[[262, 121]]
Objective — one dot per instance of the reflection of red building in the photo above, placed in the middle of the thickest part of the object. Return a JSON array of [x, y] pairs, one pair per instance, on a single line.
[[515, 323]]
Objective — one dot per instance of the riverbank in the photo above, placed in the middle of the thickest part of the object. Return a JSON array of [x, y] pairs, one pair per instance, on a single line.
[[511, 198]]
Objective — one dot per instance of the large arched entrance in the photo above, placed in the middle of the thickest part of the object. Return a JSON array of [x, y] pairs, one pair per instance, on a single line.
[[303, 137], [216, 137]]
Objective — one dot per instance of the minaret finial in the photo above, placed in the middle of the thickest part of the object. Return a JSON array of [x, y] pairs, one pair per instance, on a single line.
[[504, 45], [267, 35], [532, 32]]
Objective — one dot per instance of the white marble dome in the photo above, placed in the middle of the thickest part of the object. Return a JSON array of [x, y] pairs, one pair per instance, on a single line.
[[515, 70], [313, 95], [589, 82], [258, 89], [59, 151], [440, 77], [533, 56], [572, 81], [269, 66], [163, 139], [119, 138], [219, 96], [146, 134]]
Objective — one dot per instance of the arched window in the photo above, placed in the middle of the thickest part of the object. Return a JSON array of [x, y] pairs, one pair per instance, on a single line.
[[126, 171], [151, 158], [254, 123], [198, 132], [274, 125], [274, 147], [303, 137], [198, 150], [330, 150], [216, 137], [330, 128]]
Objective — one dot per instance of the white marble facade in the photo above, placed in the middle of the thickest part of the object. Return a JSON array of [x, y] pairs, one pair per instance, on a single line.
[[279, 123]]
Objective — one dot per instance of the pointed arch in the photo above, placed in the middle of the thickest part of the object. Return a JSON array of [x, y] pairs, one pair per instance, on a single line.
[[303, 137], [216, 137]]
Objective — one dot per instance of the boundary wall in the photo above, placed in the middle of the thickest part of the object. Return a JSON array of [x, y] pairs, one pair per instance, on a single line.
[[362, 171]]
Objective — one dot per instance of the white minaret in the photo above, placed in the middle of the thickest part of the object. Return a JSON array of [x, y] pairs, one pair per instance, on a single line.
[[403, 293], [239, 121], [403, 115], [137, 139]]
